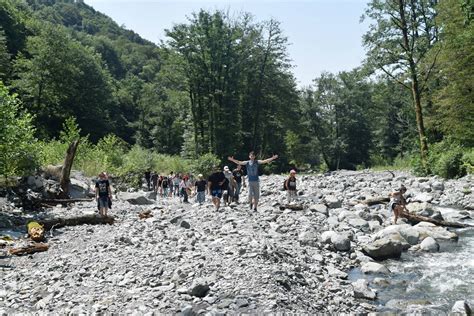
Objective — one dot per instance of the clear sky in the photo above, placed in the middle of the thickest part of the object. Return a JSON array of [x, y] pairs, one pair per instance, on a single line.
[[324, 35]]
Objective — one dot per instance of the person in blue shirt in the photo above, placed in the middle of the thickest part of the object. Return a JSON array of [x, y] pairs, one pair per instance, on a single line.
[[252, 176]]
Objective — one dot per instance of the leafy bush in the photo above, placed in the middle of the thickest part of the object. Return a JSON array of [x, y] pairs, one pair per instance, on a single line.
[[446, 159], [17, 141], [204, 164], [468, 161]]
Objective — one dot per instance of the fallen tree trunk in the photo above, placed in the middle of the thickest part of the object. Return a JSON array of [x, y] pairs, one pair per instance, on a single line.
[[63, 201], [415, 219], [377, 200], [36, 247], [295, 207], [80, 220]]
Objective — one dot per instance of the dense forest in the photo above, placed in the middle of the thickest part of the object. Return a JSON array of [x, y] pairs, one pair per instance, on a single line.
[[223, 85]]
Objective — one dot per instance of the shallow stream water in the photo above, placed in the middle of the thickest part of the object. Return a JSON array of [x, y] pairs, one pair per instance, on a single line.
[[430, 282]]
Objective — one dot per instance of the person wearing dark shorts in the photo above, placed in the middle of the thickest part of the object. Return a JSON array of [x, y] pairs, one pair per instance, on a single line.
[[215, 183], [103, 193]]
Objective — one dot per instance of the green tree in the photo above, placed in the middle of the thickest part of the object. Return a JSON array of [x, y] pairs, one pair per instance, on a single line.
[[235, 108], [398, 42], [61, 79], [454, 100], [337, 114], [17, 153], [4, 57]]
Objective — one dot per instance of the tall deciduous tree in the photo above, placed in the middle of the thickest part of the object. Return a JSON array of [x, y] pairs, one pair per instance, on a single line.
[[338, 117], [62, 78], [398, 42], [4, 57], [241, 92], [455, 72]]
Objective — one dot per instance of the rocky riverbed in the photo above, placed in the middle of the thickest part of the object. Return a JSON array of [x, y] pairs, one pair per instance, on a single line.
[[190, 259]]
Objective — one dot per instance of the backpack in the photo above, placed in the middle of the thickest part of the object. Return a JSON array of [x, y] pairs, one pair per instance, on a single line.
[[284, 184]]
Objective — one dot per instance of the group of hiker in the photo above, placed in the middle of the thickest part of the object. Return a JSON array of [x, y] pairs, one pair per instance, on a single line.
[[179, 185], [220, 184]]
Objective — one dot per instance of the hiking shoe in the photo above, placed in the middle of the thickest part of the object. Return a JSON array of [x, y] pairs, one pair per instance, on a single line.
[[255, 209]]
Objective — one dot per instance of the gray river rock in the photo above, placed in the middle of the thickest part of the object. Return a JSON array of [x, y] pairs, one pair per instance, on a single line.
[[189, 259]]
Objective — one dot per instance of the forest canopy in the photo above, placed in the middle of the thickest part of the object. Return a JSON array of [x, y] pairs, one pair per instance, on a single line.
[[223, 85]]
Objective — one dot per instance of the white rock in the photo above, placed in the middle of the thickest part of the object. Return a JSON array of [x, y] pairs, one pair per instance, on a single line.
[[361, 290], [374, 267], [429, 244], [461, 308]]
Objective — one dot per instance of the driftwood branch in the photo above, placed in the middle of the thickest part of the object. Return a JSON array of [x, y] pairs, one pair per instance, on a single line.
[[415, 219], [294, 207], [36, 247], [80, 220], [63, 201], [66, 171], [376, 200]]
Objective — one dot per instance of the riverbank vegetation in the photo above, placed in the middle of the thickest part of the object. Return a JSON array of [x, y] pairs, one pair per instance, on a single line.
[[222, 85]]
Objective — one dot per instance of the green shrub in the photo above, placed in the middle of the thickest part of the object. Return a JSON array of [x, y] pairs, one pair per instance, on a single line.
[[468, 160], [18, 146], [446, 159], [204, 164]]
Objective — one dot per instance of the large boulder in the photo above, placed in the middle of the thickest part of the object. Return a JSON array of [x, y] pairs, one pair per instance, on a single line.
[[461, 308], [361, 290], [383, 248], [423, 197], [374, 267], [52, 172], [333, 201], [431, 230], [319, 208], [136, 198], [358, 223], [308, 237], [341, 242], [437, 185], [423, 209], [79, 189], [410, 234], [35, 182], [429, 244], [326, 236]]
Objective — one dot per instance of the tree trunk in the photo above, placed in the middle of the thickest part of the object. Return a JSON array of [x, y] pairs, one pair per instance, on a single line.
[[36, 247], [414, 83], [80, 220], [66, 171], [415, 219], [419, 119]]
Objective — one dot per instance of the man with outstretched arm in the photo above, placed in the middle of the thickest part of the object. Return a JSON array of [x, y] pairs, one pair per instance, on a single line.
[[252, 176]]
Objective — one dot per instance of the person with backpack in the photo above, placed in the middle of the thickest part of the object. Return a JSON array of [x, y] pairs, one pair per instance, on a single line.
[[147, 179], [176, 182], [154, 181], [103, 193], [165, 186], [290, 186], [184, 187], [215, 182], [200, 185], [228, 187], [238, 174], [252, 176]]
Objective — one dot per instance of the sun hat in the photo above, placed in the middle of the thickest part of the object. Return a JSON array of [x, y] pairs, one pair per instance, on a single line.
[[292, 172]]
